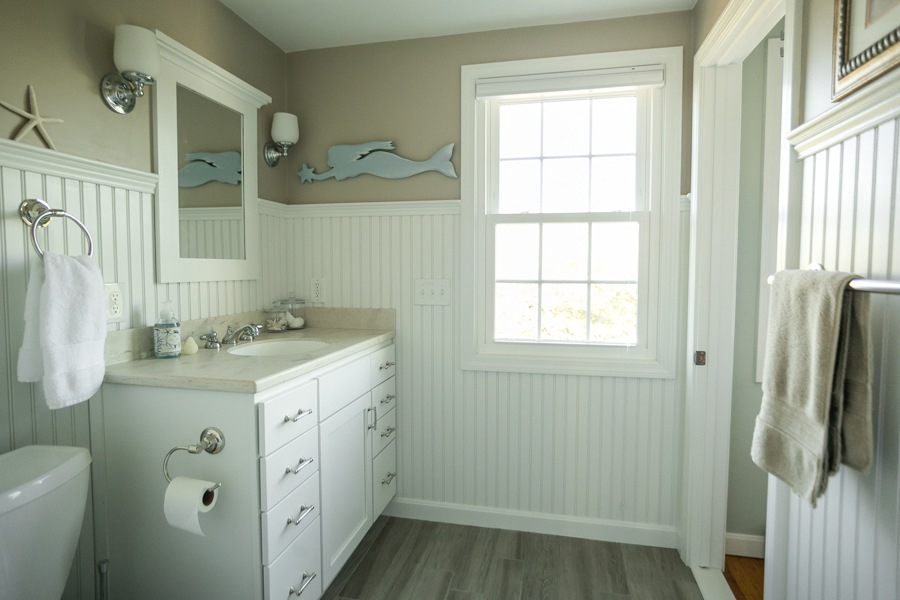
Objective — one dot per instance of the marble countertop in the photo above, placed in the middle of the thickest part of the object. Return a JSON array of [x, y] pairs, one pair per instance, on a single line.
[[220, 370]]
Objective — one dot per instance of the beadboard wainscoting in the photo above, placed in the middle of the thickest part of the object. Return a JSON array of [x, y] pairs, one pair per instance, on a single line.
[[211, 232], [116, 205], [588, 456], [849, 545]]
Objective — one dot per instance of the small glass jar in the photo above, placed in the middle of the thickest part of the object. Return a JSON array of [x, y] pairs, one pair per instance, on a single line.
[[296, 311], [275, 319]]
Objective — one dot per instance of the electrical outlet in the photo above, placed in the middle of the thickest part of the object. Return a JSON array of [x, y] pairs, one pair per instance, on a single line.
[[114, 303], [433, 291], [317, 290]]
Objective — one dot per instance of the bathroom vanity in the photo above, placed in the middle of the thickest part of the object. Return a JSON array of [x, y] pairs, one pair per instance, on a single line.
[[308, 463]]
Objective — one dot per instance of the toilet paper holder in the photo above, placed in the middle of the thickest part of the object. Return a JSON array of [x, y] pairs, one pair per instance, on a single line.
[[212, 440]]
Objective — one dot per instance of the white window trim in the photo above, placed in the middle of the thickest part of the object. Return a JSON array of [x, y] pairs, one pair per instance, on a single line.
[[658, 358]]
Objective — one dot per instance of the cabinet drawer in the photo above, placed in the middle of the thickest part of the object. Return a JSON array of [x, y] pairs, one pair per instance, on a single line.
[[384, 396], [286, 416], [286, 468], [342, 386], [384, 478], [300, 565], [386, 431], [290, 518], [382, 364]]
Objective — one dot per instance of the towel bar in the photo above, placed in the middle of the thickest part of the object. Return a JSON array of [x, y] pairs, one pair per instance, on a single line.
[[874, 286], [37, 213]]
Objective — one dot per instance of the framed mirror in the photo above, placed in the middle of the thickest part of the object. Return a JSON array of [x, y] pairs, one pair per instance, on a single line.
[[206, 158]]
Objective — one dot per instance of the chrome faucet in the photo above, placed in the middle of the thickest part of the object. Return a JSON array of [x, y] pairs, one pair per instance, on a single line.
[[244, 333]]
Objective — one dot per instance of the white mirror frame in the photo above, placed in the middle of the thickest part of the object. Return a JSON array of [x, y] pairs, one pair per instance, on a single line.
[[180, 65]]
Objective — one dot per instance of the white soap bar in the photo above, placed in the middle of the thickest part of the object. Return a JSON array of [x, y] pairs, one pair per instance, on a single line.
[[189, 346]]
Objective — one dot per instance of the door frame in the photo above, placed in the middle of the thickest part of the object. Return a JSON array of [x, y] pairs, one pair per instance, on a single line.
[[715, 171]]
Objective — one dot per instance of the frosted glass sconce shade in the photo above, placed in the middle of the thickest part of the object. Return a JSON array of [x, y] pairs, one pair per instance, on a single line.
[[136, 55], [285, 133], [136, 50]]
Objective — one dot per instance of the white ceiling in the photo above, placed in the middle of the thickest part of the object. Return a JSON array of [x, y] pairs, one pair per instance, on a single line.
[[295, 25]]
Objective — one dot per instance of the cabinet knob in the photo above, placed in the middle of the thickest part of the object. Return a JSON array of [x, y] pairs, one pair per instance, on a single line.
[[388, 399], [305, 581], [387, 432], [304, 511], [386, 365], [300, 414], [296, 470], [390, 477]]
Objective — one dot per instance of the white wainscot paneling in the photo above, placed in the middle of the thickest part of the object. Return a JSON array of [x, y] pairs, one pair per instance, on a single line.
[[849, 546], [586, 456], [211, 232], [116, 205]]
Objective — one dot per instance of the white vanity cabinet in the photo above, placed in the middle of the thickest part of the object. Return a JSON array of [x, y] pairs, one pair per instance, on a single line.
[[353, 456], [301, 473]]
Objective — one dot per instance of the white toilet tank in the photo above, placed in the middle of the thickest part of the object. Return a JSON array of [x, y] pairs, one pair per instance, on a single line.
[[43, 490]]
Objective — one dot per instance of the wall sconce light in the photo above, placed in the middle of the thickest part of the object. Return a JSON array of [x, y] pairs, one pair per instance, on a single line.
[[285, 133], [136, 55]]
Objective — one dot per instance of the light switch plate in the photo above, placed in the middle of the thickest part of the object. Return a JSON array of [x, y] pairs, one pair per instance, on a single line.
[[433, 291]]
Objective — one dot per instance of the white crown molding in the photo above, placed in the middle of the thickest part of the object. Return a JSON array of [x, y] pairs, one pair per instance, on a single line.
[[184, 57], [361, 209], [51, 162], [868, 108]]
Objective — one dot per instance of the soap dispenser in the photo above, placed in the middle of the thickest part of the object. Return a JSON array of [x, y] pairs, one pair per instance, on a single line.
[[167, 334]]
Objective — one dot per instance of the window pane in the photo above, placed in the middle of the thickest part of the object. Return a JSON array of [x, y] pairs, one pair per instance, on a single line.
[[517, 251], [515, 311], [520, 186], [565, 185], [613, 184], [614, 125], [615, 250], [520, 130], [567, 128], [564, 312], [614, 313], [565, 252]]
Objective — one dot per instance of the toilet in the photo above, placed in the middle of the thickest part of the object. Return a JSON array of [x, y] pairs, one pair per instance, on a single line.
[[43, 491]]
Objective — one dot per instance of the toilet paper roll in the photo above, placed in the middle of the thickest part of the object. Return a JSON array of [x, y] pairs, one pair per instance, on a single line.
[[185, 499]]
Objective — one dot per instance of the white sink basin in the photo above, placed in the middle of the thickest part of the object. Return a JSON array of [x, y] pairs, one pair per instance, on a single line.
[[277, 348]]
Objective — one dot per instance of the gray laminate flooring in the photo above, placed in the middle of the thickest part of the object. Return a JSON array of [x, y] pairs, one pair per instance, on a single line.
[[403, 559]]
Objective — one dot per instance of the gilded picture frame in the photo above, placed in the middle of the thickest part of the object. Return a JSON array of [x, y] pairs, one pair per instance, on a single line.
[[866, 43]]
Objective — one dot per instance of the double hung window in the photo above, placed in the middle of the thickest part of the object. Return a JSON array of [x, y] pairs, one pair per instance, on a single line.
[[570, 217]]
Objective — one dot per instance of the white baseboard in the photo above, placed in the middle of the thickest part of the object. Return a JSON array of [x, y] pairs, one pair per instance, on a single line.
[[480, 516], [712, 584], [738, 544]]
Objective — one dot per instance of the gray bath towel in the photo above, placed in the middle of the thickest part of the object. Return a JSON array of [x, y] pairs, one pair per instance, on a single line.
[[817, 381]]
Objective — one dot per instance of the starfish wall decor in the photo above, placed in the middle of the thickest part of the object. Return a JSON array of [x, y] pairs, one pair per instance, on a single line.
[[35, 120]]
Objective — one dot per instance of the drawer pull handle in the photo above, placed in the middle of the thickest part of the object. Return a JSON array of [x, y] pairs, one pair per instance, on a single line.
[[390, 477], [296, 470], [386, 365], [375, 424], [387, 399], [387, 432], [300, 414], [304, 511], [305, 581]]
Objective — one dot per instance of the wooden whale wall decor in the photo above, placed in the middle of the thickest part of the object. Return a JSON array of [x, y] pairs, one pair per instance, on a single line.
[[376, 158]]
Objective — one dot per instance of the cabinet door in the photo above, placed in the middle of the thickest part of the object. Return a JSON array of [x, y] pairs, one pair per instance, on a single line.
[[346, 480]]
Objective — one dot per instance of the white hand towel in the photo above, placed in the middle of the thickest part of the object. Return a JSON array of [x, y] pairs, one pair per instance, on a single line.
[[31, 362], [71, 330], [817, 394]]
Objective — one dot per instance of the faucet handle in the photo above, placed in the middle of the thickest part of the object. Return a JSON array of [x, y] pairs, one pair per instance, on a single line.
[[212, 340]]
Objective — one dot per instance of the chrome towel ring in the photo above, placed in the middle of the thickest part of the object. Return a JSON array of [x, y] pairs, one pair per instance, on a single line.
[[37, 213]]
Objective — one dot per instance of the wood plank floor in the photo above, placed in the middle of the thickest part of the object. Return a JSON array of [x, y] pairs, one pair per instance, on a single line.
[[745, 577], [403, 559]]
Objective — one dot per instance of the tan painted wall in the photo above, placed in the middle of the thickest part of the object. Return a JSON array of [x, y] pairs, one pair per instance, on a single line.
[[409, 92], [706, 13], [64, 47]]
